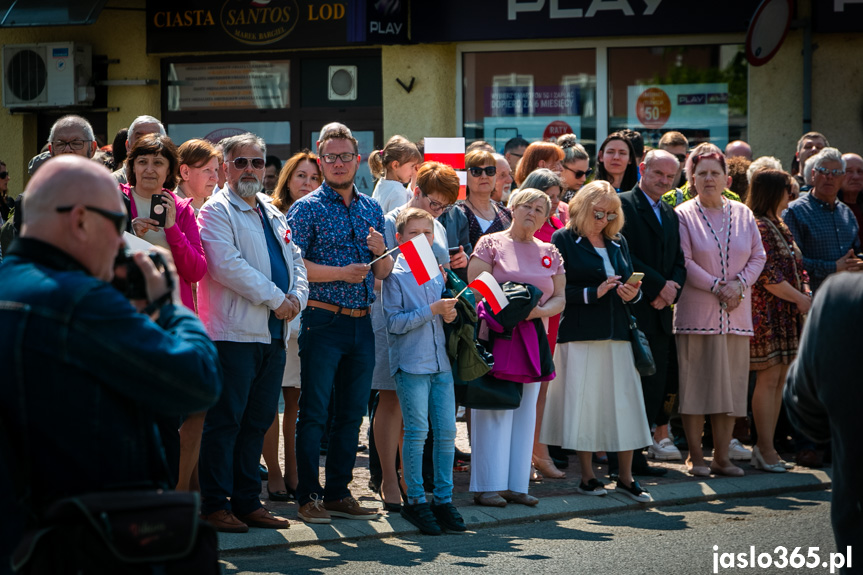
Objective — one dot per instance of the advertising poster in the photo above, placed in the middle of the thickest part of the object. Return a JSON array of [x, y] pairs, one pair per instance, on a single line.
[[699, 108], [532, 112]]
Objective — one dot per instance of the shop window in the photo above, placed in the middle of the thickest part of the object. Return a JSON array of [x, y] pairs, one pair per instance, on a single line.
[[700, 91], [537, 95], [249, 85]]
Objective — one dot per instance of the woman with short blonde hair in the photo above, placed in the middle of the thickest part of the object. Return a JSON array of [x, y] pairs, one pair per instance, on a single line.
[[595, 401]]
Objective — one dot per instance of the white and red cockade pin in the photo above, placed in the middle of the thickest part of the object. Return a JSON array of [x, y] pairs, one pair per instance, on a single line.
[[288, 236], [546, 262]]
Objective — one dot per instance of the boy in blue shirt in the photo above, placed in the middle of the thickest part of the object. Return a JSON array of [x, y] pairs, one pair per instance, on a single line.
[[415, 315]]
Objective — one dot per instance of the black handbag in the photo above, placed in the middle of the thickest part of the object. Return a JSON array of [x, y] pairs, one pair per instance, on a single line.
[[121, 532], [489, 392], [644, 362]]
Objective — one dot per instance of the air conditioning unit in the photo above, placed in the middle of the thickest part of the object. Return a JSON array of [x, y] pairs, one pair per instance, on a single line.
[[343, 83], [47, 75]]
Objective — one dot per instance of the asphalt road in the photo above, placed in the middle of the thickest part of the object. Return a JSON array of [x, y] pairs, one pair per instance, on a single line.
[[667, 541]]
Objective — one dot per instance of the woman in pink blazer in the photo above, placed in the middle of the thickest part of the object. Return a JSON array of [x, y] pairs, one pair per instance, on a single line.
[[713, 317]]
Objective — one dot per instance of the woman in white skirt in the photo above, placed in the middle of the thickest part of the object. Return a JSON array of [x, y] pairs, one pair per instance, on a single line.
[[595, 402]]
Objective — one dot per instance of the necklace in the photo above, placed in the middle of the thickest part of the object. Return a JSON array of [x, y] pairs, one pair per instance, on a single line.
[[726, 226], [480, 212]]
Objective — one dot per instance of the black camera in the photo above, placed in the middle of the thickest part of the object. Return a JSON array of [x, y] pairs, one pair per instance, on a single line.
[[128, 277]]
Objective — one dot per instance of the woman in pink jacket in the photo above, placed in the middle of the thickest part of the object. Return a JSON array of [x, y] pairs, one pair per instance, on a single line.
[[713, 317], [152, 167]]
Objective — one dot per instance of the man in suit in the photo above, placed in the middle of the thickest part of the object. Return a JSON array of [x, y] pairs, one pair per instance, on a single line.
[[651, 229]]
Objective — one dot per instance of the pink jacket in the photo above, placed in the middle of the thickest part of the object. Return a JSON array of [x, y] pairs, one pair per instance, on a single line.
[[698, 310], [185, 242]]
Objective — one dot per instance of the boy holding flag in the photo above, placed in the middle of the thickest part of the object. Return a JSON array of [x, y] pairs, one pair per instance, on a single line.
[[415, 313]]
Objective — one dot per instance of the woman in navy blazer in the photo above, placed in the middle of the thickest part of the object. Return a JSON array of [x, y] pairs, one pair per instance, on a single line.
[[595, 401]]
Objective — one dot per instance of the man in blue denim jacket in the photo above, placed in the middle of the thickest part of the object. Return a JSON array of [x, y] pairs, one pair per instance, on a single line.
[[84, 373]]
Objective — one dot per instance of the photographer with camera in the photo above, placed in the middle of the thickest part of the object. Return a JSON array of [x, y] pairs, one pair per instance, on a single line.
[[86, 374]]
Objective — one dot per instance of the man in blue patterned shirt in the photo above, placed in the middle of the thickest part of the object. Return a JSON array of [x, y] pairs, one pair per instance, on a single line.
[[824, 227], [826, 231], [337, 231]]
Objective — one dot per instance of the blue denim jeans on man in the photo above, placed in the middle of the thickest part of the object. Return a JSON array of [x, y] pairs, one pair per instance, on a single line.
[[421, 396], [337, 358], [235, 427]]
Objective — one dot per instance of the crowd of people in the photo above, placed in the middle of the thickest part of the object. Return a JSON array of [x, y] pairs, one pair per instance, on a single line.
[[299, 281]]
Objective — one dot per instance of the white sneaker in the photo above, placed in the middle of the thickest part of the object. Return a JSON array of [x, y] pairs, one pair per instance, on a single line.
[[665, 450], [737, 452]]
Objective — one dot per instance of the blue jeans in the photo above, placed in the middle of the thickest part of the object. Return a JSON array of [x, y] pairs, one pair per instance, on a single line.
[[422, 396], [234, 428], [337, 358]]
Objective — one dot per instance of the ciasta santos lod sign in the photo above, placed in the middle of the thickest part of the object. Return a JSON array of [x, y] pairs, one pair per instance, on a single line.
[[202, 26]]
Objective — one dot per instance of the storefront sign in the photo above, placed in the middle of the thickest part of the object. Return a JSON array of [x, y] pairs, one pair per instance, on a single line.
[[837, 16], [517, 19], [231, 25], [701, 107]]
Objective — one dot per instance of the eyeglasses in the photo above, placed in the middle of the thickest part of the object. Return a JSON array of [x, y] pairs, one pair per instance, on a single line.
[[610, 216], [438, 206], [824, 171], [241, 163], [680, 157], [578, 173], [345, 158], [4, 175], [75, 145], [117, 218], [477, 172], [514, 154]]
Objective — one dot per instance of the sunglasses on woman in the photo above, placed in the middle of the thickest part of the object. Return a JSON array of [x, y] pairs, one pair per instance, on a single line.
[[241, 163], [579, 173], [477, 172], [610, 216]]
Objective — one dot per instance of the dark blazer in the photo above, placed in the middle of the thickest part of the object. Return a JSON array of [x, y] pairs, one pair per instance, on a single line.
[[586, 317], [656, 252]]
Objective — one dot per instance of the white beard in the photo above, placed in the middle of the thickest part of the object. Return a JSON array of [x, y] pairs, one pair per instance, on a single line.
[[248, 189]]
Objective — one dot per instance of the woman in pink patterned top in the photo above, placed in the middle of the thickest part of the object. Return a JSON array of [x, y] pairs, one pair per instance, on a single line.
[[503, 440], [713, 317]]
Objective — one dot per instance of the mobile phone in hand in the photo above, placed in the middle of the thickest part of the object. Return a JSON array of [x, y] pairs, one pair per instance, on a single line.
[[158, 210], [454, 251], [635, 278]]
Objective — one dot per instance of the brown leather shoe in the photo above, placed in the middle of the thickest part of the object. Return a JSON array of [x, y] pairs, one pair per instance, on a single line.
[[809, 458], [265, 520], [225, 522]]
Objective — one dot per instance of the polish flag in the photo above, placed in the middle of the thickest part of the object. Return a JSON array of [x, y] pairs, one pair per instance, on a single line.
[[486, 285], [420, 258], [449, 151]]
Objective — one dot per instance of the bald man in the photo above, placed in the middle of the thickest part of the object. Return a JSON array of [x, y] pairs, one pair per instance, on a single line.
[[85, 375], [738, 148]]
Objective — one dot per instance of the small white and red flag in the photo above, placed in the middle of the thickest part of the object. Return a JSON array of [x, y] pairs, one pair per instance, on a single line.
[[486, 285], [449, 151], [420, 259]]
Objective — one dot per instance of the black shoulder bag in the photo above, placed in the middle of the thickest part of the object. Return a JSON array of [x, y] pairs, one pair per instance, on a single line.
[[106, 533]]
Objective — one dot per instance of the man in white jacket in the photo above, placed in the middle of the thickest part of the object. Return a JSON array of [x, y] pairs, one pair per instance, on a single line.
[[255, 285]]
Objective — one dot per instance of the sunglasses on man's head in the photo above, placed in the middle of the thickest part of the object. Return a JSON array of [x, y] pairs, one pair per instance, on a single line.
[[610, 216], [241, 163], [477, 172]]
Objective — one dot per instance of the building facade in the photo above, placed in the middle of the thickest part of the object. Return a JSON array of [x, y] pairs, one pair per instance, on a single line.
[[490, 70]]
